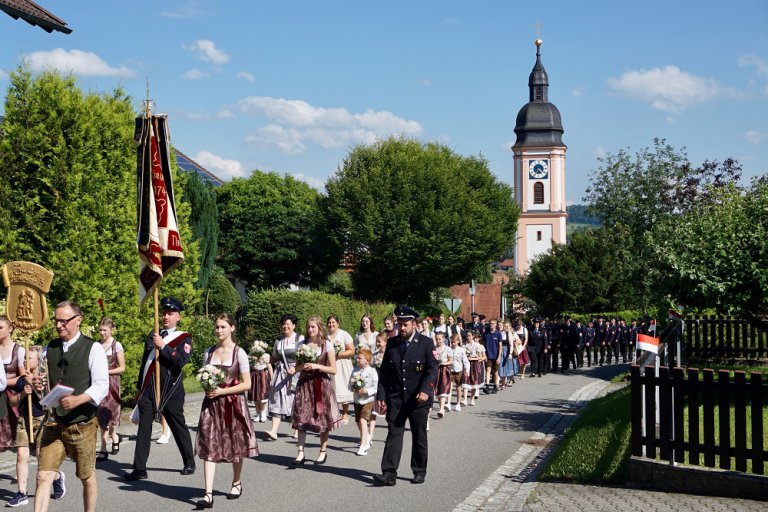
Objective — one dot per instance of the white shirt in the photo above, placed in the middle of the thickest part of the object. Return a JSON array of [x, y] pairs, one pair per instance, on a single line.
[[97, 365], [460, 361], [3, 380], [371, 378]]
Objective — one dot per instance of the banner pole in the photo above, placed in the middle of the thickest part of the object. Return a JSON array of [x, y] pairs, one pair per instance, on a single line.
[[28, 380], [157, 353]]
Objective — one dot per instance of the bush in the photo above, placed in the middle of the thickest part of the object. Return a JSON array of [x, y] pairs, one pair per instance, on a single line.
[[220, 296], [264, 309]]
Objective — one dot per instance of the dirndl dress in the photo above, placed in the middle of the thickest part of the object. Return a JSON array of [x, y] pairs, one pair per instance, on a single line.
[[507, 363], [443, 381], [259, 391], [225, 431], [315, 408], [109, 408], [10, 422]]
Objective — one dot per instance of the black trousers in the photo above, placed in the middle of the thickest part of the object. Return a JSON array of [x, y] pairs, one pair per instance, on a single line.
[[174, 415], [603, 348], [534, 362], [393, 447]]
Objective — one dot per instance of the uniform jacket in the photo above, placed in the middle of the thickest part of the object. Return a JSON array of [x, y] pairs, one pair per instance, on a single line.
[[406, 372], [173, 356]]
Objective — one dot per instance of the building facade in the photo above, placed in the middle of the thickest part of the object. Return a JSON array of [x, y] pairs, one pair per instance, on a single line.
[[539, 171]]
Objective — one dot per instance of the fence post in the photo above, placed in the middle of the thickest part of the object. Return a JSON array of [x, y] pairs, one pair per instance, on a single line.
[[724, 417], [708, 392], [649, 385], [758, 432], [636, 414], [665, 414], [694, 445], [678, 383], [740, 423]]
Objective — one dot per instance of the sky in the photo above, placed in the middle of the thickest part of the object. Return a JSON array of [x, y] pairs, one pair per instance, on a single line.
[[293, 86]]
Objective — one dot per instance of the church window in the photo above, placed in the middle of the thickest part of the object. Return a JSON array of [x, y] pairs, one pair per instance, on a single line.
[[538, 193], [538, 236]]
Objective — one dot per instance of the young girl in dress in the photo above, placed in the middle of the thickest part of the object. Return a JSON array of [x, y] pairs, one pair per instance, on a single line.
[[13, 356], [522, 356], [109, 408], [378, 356], [508, 355], [367, 335], [315, 408], [476, 357], [365, 395], [445, 360], [459, 370], [225, 431], [261, 376]]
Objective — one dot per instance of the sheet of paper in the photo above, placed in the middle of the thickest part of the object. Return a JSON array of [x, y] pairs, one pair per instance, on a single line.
[[58, 392]]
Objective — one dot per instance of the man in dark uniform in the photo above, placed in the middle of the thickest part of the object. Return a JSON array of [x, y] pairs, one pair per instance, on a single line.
[[612, 340], [569, 344], [477, 324], [623, 337], [602, 335], [590, 339], [555, 339], [536, 346], [407, 379], [634, 330], [580, 343], [175, 348]]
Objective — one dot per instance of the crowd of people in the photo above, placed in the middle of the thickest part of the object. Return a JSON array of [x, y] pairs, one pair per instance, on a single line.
[[315, 381]]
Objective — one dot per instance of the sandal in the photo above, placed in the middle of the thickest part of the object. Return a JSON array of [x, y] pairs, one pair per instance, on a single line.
[[238, 487], [270, 436], [102, 455], [116, 446], [205, 503]]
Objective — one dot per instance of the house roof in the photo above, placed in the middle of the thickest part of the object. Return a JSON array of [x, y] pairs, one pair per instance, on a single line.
[[34, 15], [187, 164]]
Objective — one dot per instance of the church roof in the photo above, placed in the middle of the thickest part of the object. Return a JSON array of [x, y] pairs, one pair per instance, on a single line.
[[538, 122], [34, 15]]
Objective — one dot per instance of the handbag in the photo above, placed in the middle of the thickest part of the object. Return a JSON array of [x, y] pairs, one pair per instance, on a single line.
[[135, 415]]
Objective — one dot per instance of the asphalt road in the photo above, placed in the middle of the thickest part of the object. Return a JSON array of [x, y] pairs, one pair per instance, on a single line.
[[465, 449]]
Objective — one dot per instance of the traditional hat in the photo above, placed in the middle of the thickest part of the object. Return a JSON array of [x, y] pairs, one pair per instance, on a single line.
[[405, 313], [171, 304]]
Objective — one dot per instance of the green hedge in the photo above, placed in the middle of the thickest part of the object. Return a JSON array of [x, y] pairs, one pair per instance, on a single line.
[[261, 319], [659, 313]]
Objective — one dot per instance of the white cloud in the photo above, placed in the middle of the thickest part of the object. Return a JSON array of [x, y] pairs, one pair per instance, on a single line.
[[668, 89], [316, 183], [221, 167], [247, 76], [3, 74], [206, 50], [426, 82], [225, 114], [77, 62], [577, 92], [295, 123], [755, 137], [759, 63], [195, 74]]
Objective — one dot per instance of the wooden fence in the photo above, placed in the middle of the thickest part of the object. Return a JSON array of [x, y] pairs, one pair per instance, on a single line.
[[724, 338], [677, 394]]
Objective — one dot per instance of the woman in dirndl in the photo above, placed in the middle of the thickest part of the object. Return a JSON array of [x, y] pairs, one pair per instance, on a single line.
[[508, 355], [281, 390], [13, 357], [315, 408], [522, 356], [445, 360], [225, 431], [109, 408]]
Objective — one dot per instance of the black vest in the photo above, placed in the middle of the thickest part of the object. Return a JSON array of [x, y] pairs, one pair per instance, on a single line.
[[71, 369]]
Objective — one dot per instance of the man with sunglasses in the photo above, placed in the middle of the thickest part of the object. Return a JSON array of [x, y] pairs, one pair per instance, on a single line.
[[76, 361]]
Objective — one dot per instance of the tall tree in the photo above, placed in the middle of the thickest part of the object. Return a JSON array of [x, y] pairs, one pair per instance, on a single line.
[[204, 221], [412, 217], [269, 225], [69, 183]]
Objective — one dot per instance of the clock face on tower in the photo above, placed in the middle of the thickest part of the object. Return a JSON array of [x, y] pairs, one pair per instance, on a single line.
[[538, 169]]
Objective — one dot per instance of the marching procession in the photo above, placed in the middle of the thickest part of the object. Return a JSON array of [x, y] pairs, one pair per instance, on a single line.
[[414, 370]]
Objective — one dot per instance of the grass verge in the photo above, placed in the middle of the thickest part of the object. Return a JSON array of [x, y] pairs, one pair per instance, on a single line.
[[191, 385], [595, 448]]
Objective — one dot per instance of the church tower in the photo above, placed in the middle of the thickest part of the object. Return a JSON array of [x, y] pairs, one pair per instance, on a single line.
[[539, 167]]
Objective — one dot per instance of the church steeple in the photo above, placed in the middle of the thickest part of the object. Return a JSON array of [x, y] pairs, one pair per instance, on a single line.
[[538, 81], [538, 122]]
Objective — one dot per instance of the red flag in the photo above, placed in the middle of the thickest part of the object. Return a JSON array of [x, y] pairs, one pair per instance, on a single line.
[[158, 237], [649, 343]]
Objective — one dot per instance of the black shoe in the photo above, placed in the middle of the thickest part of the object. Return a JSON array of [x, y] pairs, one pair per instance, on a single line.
[[322, 458], [135, 475], [235, 487], [187, 470], [204, 503], [382, 480], [101, 456], [418, 479], [298, 462]]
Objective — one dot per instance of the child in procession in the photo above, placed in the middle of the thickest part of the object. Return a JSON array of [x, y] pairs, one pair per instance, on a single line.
[[445, 360], [364, 383], [261, 377], [378, 356], [459, 370], [476, 357]]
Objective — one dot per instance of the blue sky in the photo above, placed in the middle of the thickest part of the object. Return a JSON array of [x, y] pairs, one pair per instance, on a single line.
[[293, 86]]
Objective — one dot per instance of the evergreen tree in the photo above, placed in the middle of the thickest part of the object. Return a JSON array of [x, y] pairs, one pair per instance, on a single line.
[[204, 222]]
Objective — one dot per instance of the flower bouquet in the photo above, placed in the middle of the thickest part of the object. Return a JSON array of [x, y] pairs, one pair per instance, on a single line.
[[258, 349], [356, 382], [338, 347], [209, 377], [306, 354]]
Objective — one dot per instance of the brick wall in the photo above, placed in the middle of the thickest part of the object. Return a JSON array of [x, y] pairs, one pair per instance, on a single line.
[[487, 300]]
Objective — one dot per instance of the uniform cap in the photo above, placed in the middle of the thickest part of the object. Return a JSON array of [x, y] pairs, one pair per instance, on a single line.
[[405, 313], [171, 304]]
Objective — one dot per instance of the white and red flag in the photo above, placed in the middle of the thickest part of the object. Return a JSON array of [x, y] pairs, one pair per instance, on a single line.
[[649, 343], [158, 239]]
